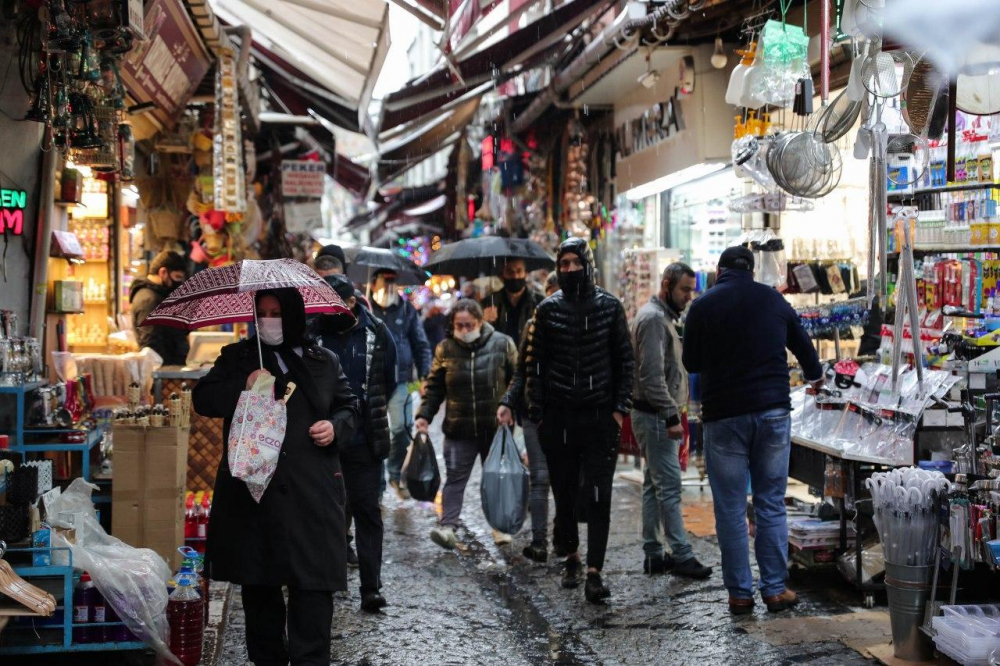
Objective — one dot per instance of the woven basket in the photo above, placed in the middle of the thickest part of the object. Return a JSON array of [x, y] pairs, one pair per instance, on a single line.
[[13, 523]]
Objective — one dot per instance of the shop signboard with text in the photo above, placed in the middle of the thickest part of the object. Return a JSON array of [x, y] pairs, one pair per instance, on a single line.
[[662, 121], [303, 178], [167, 68], [12, 205]]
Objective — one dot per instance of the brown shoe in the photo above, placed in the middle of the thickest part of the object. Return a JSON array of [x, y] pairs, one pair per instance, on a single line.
[[739, 606], [782, 601]]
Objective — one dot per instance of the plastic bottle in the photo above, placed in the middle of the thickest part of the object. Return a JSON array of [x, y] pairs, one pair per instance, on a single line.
[[185, 612], [190, 523], [206, 510], [84, 600]]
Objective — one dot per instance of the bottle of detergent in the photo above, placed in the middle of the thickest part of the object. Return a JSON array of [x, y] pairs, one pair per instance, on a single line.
[[185, 613], [84, 600]]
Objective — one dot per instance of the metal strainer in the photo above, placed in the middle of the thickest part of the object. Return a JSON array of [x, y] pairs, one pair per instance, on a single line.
[[887, 74]]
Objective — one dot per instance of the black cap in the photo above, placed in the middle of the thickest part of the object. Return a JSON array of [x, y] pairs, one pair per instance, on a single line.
[[737, 257], [334, 251], [342, 285]]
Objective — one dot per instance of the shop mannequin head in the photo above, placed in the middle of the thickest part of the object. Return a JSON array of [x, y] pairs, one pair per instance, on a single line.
[[677, 286], [466, 321], [168, 269], [515, 277]]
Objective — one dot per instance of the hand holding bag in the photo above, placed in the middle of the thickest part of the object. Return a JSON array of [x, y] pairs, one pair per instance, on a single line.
[[257, 433], [504, 488], [420, 473]]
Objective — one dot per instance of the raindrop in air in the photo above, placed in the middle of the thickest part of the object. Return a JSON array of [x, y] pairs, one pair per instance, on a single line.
[[586, 109]]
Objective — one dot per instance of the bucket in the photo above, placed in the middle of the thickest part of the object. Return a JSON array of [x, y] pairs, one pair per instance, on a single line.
[[908, 589]]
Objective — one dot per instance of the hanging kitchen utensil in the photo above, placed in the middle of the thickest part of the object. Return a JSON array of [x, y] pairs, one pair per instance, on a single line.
[[837, 119], [887, 74], [735, 87], [913, 155], [919, 96], [803, 104]]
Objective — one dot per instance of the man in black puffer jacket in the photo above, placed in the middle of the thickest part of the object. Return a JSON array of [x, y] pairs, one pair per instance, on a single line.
[[367, 354], [578, 369]]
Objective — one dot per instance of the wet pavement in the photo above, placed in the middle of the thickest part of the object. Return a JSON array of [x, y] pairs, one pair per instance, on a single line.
[[484, 604]]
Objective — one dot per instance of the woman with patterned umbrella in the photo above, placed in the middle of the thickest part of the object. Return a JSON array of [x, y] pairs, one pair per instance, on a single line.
[[296, 535]]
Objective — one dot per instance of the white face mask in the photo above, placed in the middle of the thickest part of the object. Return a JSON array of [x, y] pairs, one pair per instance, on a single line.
[[470, 336], [387, 296], [269, 330]]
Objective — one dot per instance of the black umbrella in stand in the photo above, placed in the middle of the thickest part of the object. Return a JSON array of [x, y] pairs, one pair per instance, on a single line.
[[370, 260], [486, 255]]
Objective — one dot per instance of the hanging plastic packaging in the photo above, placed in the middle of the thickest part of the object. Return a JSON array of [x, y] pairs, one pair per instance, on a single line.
[[257, 433], [133, 581], [784, 62], [504, 488], [420, 473]]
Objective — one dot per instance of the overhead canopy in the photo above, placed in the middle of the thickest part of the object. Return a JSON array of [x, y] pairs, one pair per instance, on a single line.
[[398, 156], [339, 43], [513, 50]]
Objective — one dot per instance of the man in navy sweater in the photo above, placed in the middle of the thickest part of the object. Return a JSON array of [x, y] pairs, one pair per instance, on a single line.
[[735, 337]]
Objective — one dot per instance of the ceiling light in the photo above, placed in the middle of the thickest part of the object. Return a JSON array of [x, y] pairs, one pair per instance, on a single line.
[[719, 58], [673, 180]]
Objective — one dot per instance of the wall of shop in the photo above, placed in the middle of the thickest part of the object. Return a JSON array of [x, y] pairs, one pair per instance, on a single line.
[[708, 120], [19, 169]]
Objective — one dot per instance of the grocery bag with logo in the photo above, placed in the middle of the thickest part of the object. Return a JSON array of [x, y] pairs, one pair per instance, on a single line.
[[256, 434]]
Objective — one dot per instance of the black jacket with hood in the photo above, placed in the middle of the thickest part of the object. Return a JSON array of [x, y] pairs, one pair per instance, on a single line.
[[577, 354], [170, 343]]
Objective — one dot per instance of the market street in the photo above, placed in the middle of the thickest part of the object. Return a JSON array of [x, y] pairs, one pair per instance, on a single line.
[[482, 604]]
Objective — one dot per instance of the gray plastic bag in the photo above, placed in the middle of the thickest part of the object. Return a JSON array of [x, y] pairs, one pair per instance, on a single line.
[[504, 487]]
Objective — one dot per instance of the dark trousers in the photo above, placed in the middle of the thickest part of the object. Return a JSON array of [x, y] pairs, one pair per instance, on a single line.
[[309, 617], [581, 449], [361, 479]]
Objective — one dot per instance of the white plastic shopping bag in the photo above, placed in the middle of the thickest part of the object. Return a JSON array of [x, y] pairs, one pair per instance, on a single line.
[[257, 433]]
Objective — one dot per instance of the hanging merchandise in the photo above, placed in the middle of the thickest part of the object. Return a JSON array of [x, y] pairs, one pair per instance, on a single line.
[[785, 61], [228, 171], [906, 301], [825, 319]]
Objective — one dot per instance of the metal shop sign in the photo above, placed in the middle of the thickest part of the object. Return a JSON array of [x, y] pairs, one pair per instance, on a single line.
[[653, 127], [12, 205], [168, 67], [302, 178]]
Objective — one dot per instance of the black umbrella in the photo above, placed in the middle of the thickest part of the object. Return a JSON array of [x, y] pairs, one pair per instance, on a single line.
[[486, 255], [370, 260]]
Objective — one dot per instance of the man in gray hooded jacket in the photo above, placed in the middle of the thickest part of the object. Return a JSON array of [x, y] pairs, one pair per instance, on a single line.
[[660, 397]]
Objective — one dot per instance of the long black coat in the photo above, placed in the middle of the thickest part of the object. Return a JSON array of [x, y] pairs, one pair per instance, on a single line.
[[296, 536]]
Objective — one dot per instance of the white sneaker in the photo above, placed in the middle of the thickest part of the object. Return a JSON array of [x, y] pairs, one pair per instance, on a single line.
[[501, 539], [444, 537]]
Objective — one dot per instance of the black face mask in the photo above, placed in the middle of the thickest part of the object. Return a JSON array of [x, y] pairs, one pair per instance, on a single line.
[[514, 285], [572, 281]]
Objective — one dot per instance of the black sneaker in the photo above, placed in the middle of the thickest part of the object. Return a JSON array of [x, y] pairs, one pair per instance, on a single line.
[[372, 602], [352, 557], [596, 591], [657, 564], [536, 552], [571, 574], [692, 568]]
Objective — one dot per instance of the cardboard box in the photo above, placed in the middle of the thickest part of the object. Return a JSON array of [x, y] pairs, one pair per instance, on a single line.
[[67, 296], [147, 496]]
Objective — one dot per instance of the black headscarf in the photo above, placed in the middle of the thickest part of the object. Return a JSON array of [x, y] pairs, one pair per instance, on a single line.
[[293, 332], [577, 285]]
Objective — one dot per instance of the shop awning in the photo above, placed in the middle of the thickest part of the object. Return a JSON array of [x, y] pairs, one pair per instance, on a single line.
[[481, 67], [400, 155], [339, 43]]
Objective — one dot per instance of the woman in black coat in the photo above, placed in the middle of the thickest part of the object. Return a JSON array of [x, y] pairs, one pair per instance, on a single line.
[[295, 536]]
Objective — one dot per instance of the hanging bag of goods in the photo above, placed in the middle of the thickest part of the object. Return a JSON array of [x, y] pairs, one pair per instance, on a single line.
[[420, 473], [257, 433], [504, 488]]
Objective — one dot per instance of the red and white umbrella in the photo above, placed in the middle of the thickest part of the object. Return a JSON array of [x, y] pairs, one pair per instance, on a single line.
[[225, 295]]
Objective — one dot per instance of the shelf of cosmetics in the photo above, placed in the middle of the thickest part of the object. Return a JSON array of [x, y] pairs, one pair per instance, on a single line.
[[968, 282], [973, 166], [954, 220]]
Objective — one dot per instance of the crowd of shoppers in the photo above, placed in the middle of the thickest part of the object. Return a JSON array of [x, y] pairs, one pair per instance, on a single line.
[[564, 368]]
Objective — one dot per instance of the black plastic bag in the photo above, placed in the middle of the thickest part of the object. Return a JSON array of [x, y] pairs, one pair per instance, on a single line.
[[420, 474], [504, 488]]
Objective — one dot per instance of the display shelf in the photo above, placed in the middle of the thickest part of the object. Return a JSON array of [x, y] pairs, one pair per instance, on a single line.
[[934, 247], [942, 190], [61, 634], [834, 452]]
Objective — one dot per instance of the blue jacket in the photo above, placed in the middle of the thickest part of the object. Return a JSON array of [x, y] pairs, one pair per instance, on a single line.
[[412, 348], [735, 336]]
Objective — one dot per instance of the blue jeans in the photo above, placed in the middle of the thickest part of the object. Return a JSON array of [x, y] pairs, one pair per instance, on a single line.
[[758, 444], [400, 424], [661, 488]]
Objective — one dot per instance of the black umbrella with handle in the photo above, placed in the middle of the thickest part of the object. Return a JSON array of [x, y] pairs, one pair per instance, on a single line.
[[368, 261], [486, 255]]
